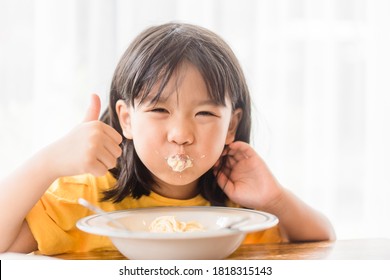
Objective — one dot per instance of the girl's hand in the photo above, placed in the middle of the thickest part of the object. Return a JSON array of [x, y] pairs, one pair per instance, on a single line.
[[91, 147], [246, 179]]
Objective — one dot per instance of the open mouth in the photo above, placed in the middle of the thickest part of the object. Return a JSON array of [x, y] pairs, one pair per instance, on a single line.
[[179, 162]]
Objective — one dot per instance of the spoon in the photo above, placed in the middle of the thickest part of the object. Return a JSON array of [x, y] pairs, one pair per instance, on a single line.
[[98, 210], [232, 225]]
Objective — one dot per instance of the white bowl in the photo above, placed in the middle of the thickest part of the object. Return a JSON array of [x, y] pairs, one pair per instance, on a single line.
[[214, 242]]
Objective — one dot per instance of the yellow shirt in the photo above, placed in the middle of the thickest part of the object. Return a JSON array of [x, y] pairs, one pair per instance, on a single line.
[[53, 219]]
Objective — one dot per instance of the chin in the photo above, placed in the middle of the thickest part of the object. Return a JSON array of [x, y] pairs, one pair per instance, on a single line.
[[178, 178], [181, 178]]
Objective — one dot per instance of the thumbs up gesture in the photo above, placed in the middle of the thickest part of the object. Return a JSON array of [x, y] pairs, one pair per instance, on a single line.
[[90, 147], [93, 111]]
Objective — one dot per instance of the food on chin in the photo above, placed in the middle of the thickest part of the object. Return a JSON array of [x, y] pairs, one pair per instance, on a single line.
[[179, 162], [170, 224]]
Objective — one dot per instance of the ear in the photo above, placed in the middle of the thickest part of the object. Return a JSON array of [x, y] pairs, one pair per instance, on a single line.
[[234, 122], [122, 110]]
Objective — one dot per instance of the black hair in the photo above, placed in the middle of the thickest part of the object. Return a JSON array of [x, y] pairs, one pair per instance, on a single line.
[[152, 58]]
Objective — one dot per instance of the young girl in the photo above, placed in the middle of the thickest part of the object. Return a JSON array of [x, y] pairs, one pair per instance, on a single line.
[[176, 133]]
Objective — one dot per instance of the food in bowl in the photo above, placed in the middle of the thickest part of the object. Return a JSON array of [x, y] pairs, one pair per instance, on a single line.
[[179, 162], [215, 241], [170, 224]]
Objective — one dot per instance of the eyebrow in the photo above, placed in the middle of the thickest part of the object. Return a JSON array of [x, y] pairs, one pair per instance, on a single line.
[[208, 102], [149, 100]]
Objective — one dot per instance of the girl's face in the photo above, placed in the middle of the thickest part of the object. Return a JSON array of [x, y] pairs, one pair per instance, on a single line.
[[184, 122]]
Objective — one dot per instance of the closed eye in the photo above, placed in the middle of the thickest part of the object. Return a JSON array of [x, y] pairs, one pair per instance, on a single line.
[[159, 110], [206, 113]]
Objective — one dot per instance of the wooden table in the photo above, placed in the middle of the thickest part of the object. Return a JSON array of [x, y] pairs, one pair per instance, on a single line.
[[365, 249]]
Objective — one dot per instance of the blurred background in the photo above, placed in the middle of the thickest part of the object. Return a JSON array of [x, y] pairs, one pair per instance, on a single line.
[[318, 71]]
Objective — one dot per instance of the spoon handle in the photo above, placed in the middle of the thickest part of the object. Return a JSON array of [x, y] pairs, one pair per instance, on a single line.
[[235, 224], [97, 210]]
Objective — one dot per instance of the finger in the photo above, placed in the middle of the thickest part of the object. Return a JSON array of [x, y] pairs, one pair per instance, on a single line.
[[112, 147], [229, 165], [112, 133], [242, 149], [231, 160], [224, 183], [106, 158], [237, 155], [224, 170], [225, 163], [93, 165], [99, 169], [114, 150], [93, 110]]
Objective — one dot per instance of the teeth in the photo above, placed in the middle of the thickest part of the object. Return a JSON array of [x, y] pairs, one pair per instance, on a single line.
[[179, 162]]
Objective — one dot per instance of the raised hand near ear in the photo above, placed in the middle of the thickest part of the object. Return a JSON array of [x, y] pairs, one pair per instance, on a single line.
[[91, 147], [246, 179]]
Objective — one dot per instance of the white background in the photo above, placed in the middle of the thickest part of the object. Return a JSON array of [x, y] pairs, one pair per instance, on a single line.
[[318, 71]]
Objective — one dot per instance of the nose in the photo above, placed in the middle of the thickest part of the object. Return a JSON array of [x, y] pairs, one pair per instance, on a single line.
[[181, 133]]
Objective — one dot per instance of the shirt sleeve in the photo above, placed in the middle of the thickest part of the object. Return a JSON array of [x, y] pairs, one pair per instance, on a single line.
[[53, 219], [271, 235]]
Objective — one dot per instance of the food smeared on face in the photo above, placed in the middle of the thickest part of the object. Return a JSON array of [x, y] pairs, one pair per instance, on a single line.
[[179, 162]]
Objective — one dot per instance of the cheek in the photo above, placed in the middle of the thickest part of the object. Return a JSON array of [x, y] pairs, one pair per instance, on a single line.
[[143, 129], [213, 143], [147, 136], [148, 141]]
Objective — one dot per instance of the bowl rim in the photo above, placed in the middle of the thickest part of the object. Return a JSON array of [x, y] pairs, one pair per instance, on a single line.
[[107, 230]]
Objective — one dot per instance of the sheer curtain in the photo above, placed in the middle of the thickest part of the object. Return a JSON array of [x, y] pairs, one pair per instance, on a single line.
[[317, 70]]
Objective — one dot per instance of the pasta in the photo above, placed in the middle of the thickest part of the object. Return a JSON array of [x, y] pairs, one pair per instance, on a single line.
[[170, 224]]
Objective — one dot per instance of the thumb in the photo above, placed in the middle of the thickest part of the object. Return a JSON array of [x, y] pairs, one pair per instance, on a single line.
[[93, 111]]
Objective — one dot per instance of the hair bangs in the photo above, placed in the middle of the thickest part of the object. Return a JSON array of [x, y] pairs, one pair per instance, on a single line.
[[167, 53]]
